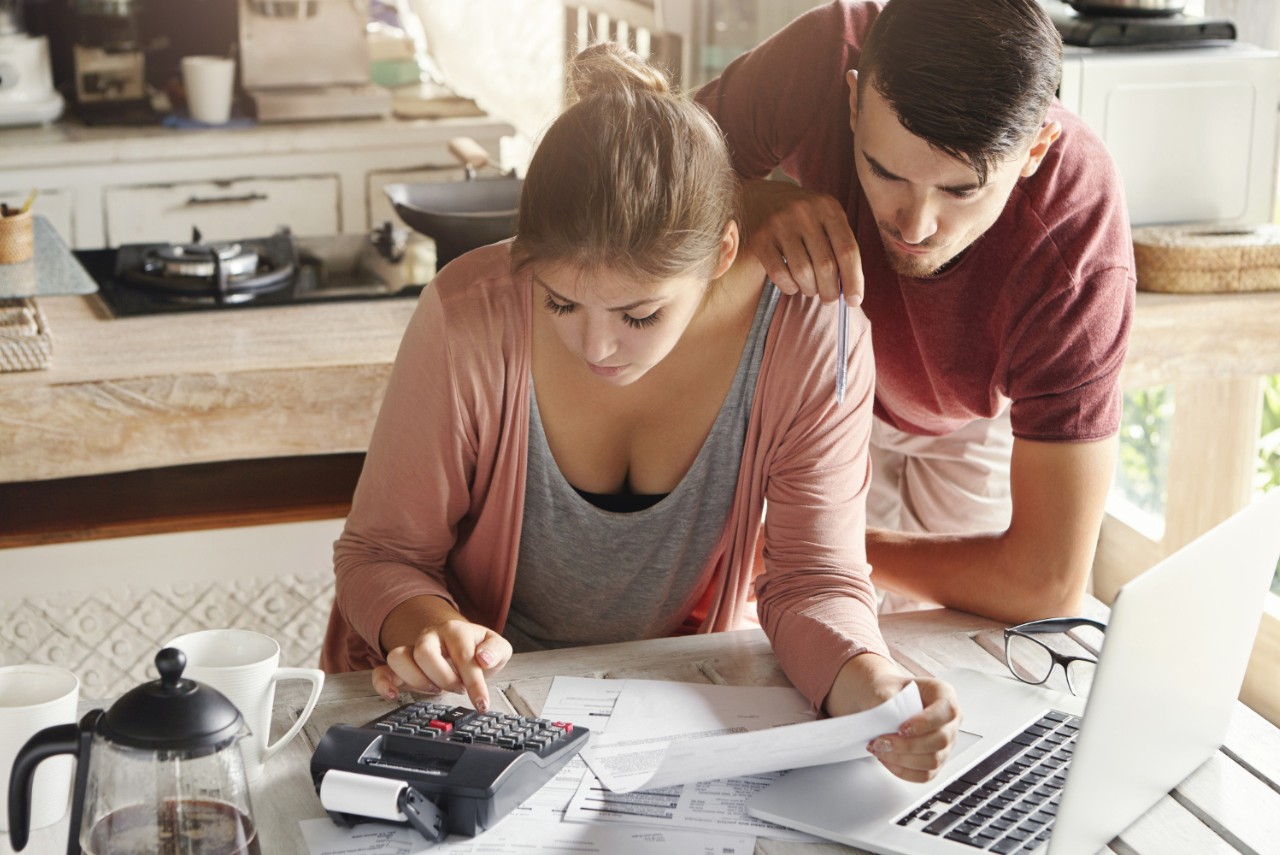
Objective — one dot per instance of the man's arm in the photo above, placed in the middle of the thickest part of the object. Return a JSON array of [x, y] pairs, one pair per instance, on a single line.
[[1038, 567]]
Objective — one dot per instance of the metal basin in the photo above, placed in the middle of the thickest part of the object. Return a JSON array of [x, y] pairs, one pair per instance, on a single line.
[[459, 215]]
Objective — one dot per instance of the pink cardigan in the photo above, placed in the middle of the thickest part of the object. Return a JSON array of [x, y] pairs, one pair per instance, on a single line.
[[439, 505]]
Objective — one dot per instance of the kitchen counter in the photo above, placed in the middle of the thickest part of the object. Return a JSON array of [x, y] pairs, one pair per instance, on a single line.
[[165, 390], [173, 389]]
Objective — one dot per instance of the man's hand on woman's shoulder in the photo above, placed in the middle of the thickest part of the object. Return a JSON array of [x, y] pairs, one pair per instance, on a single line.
[[803, 240]]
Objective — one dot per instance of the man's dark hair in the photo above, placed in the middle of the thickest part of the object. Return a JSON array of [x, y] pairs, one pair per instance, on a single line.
[[973, 78]]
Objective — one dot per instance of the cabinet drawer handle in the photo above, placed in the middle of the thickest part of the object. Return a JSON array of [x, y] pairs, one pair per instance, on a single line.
[[226, 200]]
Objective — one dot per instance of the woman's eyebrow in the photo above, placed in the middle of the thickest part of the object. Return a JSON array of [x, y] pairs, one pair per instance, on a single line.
[[625, 308]]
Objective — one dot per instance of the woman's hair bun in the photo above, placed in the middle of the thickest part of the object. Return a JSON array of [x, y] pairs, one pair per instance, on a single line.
[[608, 67]]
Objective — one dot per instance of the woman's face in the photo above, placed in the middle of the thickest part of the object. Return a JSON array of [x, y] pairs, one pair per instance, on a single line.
[[619, 327]]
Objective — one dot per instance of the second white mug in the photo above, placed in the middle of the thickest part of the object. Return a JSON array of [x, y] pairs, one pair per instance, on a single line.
[[245, 666]]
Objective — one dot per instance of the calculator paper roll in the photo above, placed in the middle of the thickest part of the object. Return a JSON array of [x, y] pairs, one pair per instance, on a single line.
[[363, 795]]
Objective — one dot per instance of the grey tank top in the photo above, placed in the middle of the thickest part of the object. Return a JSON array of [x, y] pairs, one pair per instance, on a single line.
[[589, 576]]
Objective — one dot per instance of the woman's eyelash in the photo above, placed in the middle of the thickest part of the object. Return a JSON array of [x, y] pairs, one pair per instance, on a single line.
[[558, 308], [641, 323], [565, 308]]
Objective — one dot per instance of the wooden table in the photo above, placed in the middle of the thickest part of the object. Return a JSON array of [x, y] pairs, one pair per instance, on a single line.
[[1230, 804]]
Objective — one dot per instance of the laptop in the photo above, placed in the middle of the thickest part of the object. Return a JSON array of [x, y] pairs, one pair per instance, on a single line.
[[1037, 771]]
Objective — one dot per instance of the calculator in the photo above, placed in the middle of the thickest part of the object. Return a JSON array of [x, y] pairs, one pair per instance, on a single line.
[[438, 768]]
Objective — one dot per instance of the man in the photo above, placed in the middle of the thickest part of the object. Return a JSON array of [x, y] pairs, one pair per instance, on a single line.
[[989, 226]]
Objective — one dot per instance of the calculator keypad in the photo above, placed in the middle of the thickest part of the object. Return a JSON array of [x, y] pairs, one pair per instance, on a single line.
[[465, 725]]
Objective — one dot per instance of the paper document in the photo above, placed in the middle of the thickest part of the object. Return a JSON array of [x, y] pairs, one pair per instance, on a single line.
[[648, 709], [675, 751]]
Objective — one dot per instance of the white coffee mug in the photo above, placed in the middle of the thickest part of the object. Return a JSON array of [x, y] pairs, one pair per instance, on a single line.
[[33, 697], [209, 82], [244, 666]]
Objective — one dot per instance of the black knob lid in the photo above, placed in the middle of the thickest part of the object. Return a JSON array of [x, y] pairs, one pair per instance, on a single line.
[[170, 662], [173, 713]]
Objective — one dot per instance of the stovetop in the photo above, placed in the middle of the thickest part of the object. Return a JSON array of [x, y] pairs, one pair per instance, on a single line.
[[309, 270], [1145, 32]]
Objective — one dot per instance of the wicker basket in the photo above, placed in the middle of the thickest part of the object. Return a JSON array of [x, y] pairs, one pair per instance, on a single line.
[[17, 238], [1202, 259], [25, 344]]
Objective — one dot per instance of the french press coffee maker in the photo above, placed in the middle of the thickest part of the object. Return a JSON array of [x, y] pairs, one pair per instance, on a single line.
[[158, 773]]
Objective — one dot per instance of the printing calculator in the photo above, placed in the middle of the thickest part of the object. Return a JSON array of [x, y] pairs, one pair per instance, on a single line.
[[441, 769]]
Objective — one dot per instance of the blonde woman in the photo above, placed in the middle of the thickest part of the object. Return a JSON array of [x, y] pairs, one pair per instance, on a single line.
[[584, 424]]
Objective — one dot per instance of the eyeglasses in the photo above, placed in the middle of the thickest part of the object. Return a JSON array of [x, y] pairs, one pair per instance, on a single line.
[[1032, 661]]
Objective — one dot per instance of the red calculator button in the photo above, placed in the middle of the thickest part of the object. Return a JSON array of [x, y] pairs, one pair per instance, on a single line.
[[444, 726], [568, 728]]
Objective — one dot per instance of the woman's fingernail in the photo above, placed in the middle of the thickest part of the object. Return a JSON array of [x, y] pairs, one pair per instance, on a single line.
[[485, 657], [391, 696], [433, 689], [482, 705], [908, 731], [881, 746]]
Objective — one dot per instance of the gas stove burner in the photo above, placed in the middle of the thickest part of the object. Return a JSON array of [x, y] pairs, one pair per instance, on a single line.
[[202, 260], [228, 272]]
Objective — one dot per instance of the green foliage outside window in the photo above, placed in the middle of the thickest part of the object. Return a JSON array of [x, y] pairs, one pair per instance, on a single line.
[[1144, 448], [1269, 448]]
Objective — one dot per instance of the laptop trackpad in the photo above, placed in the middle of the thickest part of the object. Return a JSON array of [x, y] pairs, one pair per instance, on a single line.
[[834, 800]]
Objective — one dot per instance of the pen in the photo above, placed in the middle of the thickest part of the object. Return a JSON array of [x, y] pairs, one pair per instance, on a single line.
[[842, 347]]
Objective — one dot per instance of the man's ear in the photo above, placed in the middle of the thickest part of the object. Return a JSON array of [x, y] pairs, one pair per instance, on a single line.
[[1045, 138], [851, 78]]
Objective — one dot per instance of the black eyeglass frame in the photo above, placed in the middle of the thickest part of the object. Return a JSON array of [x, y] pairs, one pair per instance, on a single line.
[[1048, 625]]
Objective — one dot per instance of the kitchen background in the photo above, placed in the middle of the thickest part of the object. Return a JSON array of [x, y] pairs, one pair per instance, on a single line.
[[96, 578]]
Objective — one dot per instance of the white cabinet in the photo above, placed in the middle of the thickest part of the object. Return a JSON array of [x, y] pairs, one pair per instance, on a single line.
[[109, 186], [222, 210]]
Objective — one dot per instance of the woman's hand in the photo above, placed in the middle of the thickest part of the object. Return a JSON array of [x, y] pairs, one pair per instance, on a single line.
[[447, 654], [922, 744]]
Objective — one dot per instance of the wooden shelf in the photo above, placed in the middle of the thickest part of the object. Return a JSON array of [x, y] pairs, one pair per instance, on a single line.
[[178, 498]]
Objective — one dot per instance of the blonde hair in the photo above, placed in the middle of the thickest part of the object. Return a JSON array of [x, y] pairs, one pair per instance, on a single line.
[[631, 177]]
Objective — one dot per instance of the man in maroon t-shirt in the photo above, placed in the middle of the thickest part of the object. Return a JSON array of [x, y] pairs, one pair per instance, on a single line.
[[989, 227]]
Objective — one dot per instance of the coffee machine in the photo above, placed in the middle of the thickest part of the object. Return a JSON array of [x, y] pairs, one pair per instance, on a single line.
[[308, 59], [27, 96], [109, 62]]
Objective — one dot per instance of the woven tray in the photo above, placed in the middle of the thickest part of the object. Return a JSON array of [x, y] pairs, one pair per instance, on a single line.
[[1204, 259], [25, 344]]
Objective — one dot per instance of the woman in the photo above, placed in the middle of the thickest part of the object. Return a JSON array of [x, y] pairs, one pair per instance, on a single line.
[[583, 425]]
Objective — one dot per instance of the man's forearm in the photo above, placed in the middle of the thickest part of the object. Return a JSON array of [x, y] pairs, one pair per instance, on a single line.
[[1037, 568], [976, 573]]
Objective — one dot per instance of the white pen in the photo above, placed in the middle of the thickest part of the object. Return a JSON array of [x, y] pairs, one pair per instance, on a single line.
[[842, 347]]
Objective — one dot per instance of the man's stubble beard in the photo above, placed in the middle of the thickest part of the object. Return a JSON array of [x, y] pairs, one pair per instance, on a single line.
[[916, 266]]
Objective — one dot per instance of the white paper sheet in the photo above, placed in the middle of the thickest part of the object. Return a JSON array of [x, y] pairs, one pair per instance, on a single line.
[[653, 708], [642, 750]]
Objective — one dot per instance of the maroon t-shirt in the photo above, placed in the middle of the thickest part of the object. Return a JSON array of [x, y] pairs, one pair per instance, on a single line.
[[1037, 311]]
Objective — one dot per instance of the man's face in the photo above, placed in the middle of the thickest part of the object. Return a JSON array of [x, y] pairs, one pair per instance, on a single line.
[[928, 206]]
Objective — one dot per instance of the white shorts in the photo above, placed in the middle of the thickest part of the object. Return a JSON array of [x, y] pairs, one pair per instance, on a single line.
[[952, 484]]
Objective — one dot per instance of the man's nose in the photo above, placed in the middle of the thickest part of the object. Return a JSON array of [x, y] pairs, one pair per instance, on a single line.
[[917, 221]]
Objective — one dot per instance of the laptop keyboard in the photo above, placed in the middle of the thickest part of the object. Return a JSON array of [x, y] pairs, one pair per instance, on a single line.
[[1006, 803]]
